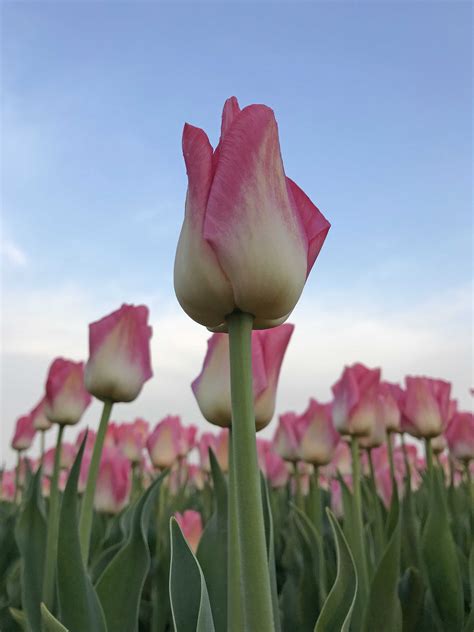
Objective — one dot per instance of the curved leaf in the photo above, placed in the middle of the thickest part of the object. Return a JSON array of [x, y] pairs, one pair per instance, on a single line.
[[20, 619], [50, 623], [30, 533], [269, 533], [412, 596], [79, 605], [120, 586], [337, 610], [188, 592]]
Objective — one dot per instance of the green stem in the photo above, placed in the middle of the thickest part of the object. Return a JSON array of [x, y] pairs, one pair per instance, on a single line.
[[379, 539], [429, 458], [17, 477], [53, 528], [299, 493], [42, 446], [85, 522], [360, 554], [255, 578], [234, 603], [390, 459], [318, 512], [405, 458]]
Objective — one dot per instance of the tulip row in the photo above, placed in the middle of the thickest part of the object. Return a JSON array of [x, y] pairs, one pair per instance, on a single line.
[[336, 524]]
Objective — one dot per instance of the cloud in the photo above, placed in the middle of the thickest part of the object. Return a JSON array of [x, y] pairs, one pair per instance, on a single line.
[[12, 253], [432, 338]]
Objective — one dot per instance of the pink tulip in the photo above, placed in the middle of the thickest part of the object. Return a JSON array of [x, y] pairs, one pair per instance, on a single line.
[[355, 400], [377, 435], [66, 397], [91, 437], [114, 482], [341, 462], [196, 476], [119, 354], [274, 468], [131, 439], [169, 442], [250, 235], [220, 446], [460, 436], [7, 486], [68, 454], [24, 433], [319, 438], [190, 522], [288, 435], [212, 387], [40, 420], [46, 483], [388, 408], [336, 496], [427, 406]]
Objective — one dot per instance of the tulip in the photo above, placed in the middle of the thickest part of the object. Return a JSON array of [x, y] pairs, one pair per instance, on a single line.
[[196, 476], [340, 463], [355, 400], [319, 438], [131, 439], [66, 397], [190, 522], [169, 442], [91, 438], [250, 235], [24, 433], [114, 482], [336, 498], [119, 354], [377, 435], [219, 443], [288, 435], [7, 486], [40, 420], [427, 406], [272, 465], [212, 387], [66, 458], [460, 436]]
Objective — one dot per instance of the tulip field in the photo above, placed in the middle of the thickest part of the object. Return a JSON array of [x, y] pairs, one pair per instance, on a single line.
[[350, 515]]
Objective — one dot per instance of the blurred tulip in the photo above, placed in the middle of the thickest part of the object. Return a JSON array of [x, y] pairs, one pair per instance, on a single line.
[[131, 438], [212, 387], [250, 235], [7, 486], [196, 476], [377, 435], [114, 482], [91, 437], [288, 435], [427, 406], [24, 433], [460, 436], [319, 437], [46, 483], [169, 441], [190, 522], [388, 409], [66, 396], [340, 463], [40, 420], [68, 454], [119, 354], [274, 468], [355, 400], [220, 446]]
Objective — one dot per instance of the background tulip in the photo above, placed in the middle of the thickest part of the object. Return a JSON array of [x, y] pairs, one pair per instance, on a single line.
[[250, 236], [66, 396], [272, 465], [40, 420], [168, 442], [355, 400], [219, 443], [460, 436], [119, 354], [131, 438], [190, 522], [212, 387], [288, 435], [427, 405], [319, 437], [114, 482], [24, 433]]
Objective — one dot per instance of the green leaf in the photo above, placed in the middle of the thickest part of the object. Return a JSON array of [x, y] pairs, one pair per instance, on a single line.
[[315, 543], [469, 624], [50, 623], [441, 561], [411, 591], [188, 592], [383, 610], [31, 532], [79, 605], [212, 549], [120, 586], [337, 610], [268, 520], [20, 618]]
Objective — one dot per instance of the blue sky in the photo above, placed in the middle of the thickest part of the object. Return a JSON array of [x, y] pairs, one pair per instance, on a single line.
[[373, 102]]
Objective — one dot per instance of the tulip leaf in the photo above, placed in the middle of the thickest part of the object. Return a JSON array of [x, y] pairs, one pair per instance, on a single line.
[[336, 612], [120, 586], [383, 610], [268, 520], [441, 561], [20, 618], [412, 595], [212, 549], [79, 605], [188, 592], [50, 623], [31, 532], [469, 624]]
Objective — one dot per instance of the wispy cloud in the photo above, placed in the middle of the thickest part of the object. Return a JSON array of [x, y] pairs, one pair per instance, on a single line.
[[12, 253]]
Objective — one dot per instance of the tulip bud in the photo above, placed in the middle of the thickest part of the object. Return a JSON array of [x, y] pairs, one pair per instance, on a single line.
[[272, 465], [67, 456], [169, 441], [66, 397], [212, 387], [131, 439], [460, 436], [24, 433], [250, 236], [288, 435], [319, 438], [7, 486], [427, 405], [190, 522], [114, 482], [40, 420], [119, 354], [355, 400]]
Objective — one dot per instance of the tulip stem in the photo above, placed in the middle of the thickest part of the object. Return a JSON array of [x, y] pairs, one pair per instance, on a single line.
[[379, 539], [390, 458], [42, 444], [17, 477], [85, 522], [297, 479], [359, 553], [53, 528], [254, 573], [429, 458], [234, 604]]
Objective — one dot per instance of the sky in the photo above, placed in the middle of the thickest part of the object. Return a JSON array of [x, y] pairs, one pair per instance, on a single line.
[[374, 104]]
